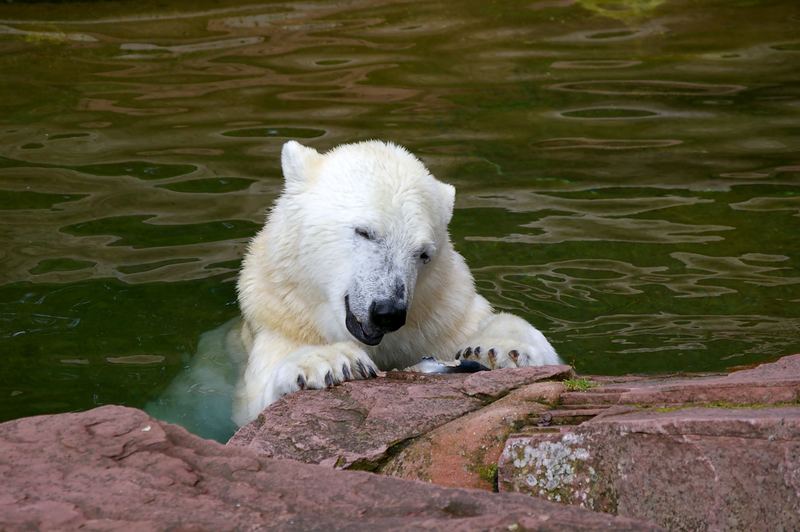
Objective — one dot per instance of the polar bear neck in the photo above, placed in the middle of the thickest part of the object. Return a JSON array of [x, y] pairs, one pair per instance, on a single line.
[[269, 299]]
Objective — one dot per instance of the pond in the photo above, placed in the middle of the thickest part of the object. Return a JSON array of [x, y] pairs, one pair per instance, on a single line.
[[628, 172]]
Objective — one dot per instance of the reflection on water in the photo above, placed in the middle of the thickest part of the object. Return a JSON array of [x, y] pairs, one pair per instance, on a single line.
[[628, 171]]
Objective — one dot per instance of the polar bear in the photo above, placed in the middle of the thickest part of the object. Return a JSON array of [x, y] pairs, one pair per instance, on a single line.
[[354, 271]]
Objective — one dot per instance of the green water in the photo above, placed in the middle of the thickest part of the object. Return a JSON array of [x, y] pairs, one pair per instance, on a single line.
[[628, 173]]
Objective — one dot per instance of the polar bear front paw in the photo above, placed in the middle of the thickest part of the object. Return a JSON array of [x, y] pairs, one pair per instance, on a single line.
[[497, 353], [322, 366]]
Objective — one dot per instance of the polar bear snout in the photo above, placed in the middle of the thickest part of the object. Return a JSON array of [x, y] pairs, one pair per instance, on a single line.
[[363, 332], [382, 316], [388, 314]]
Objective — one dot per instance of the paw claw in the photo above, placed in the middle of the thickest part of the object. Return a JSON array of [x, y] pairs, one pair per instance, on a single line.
[[458, 355], [514, 355], [467, 352], [492, 354], [366, 371], [478, 351], [346, 372], [329, 379], [301, 382]]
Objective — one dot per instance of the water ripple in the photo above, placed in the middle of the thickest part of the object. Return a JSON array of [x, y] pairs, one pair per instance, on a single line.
[[531, 201], [611, 35], [185, 48], [595, 64], [789, 203], [647, 87], [559, 229], [582, 143], [626, 174], [590, 280], [608, 113], [284, 132]]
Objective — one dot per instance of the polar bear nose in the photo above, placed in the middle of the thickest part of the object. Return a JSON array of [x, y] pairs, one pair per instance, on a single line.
[[388, 314]]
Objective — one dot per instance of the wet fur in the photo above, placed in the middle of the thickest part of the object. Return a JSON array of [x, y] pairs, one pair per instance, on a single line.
[[309, 255]]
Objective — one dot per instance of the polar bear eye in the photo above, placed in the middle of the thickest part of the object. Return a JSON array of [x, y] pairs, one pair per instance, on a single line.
[[363, 233]]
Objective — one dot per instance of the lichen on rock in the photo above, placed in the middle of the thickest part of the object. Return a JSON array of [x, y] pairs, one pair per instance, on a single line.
[[556, 469]]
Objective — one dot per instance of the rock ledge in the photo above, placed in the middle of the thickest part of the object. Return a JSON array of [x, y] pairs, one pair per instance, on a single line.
[[687, 452], [115, 468]]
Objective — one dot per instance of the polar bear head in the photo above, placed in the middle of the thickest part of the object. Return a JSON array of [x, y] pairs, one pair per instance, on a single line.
[[367, 221]]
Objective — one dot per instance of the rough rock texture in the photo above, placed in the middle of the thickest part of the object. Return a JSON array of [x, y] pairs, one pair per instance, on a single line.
[[464, 452], [773, 383], [359, 425], [689, 452], [719, 452], [716, 452], [115, 468], [693, 469], [494, 384]]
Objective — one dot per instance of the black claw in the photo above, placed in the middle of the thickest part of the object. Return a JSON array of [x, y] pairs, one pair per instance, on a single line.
[[362, 370], [478, 351], [346, 373], [458, 355], [329, 379], [301, 382], [514, 354], [492, 355], [372, 372], [467, 352]]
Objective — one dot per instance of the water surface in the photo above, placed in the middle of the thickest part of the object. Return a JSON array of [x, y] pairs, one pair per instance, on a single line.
[[628, 172]]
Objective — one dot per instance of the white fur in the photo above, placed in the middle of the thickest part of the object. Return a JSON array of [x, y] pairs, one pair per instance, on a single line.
[[309, 255]]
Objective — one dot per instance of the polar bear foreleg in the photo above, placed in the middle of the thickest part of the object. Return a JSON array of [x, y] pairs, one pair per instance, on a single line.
[[276, 367], [507, 341]]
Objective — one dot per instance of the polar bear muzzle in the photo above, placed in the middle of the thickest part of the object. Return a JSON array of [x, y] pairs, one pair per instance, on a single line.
[[387, 314], [384, 316]]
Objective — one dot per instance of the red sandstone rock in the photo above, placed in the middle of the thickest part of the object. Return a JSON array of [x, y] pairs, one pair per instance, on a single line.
[[774, 383], [358, 424], [499, 382], [115, 468], [689, 469], [464, 452], [547, 392], [355, 424]]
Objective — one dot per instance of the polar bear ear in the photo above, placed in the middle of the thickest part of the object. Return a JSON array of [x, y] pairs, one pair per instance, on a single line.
[[297, 162], [448, 200]]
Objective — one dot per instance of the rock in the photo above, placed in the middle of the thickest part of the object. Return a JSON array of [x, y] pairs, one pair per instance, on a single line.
[[548, 393], [494, 384], [464, 452], [357, 425], [628, 445], [116, 468], [774, 383], [705, 452], [691, 453]]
